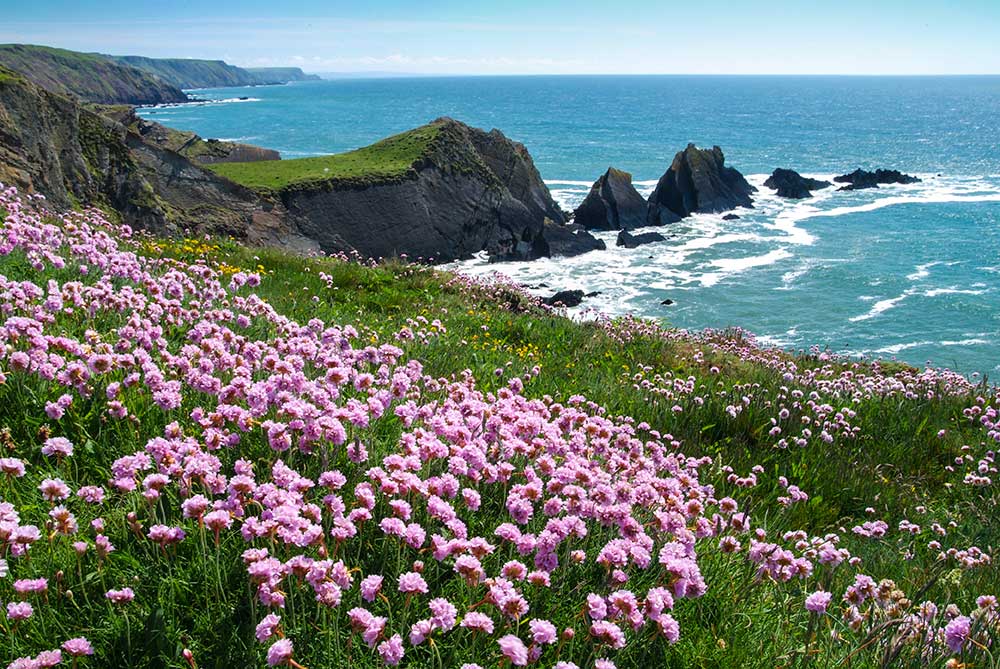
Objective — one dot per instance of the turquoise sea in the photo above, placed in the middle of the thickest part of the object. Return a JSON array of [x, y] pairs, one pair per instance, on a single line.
[[911, 272]]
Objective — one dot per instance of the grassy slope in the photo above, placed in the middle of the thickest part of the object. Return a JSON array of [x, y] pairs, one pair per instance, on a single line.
[[190, 72], [387, 159], [90, 77], [895, 465]]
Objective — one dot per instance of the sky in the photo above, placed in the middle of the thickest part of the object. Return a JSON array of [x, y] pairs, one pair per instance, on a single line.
[[532, 36]]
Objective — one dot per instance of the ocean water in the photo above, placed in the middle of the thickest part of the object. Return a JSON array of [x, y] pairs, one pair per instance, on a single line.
[[906, 272]]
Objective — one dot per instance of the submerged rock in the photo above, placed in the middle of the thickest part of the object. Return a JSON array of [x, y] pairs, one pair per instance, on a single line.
[[791, 184], [566, 298], [630, 241], [860, 179], [731, 217], [698, 181], [612, 204], [567, 240]]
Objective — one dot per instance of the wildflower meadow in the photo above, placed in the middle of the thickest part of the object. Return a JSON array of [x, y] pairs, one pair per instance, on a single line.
[[216, 456]]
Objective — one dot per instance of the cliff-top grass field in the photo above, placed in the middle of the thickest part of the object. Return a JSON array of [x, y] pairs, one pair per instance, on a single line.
[[386, 159], [217, 456]]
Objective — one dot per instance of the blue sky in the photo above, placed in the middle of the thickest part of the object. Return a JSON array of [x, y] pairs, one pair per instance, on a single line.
[[533, 36]]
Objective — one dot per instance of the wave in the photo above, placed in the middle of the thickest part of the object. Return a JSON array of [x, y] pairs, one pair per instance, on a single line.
[[200, 103]]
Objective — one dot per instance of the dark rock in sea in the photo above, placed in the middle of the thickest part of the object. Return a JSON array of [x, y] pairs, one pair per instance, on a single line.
[[731, 217], [791, 184], [566, 298], [697, 181], [567, 240], [593, 294], [612, 204], [631, 241], [860, 179], [667, 302]]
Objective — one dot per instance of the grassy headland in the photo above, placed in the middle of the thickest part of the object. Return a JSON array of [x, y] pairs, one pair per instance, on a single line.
[[387, 159]]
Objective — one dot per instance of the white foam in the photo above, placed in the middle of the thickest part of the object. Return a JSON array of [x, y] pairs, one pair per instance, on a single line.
[[881, 307], [923, 271], [966, 342]]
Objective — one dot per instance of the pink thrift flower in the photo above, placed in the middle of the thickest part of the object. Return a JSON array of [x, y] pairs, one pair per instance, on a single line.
[[514, 650], [280, 653], [78, 647], [370, 587], [123, 596], [818, 601], [391, 650], [265, 628], [58, 447], [412, 582], [19, 611], [542, 631]]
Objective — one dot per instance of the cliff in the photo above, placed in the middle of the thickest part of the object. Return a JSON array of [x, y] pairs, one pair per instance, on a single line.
[[443, 191], [89, 77], [279, 75], [189, 144], [51, 145], [196, 73]]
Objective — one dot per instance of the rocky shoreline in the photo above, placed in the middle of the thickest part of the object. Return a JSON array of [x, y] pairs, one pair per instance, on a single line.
[[455, 190]]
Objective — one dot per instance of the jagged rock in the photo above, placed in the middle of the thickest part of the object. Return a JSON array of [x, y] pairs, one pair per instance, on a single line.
[[860, 179], [188, 144], [731, 217], [791, 184], [612, 204], [667, 302], [568, 240], [50, 144], [697, 181], [630, 241], [566, 298]]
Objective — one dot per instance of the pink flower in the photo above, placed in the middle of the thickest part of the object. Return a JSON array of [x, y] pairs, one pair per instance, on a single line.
[[48, 658], [818, 601], [123, 596], [542, 631], [59, 447], [391, 650], [280, 653], [370, 587], [78, 647], [53, 490], [478, 622], [265, 628], [19, 610], [514, 650], [412, 582]]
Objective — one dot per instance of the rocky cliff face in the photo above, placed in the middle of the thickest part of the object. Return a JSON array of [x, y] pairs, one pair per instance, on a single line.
[[698, 181], [89, 77], [187, 143], [279, 75], [613, 203], [470, 191], [51, 145]]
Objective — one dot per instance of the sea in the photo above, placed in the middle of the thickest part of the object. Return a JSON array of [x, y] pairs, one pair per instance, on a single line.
[[910, 273]]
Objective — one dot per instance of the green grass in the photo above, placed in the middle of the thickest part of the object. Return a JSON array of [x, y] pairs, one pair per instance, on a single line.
[[385, 160], [741, 622]]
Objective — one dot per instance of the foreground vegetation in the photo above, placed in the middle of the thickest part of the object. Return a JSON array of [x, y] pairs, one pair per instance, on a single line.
[[217, 456], [389, 158]]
